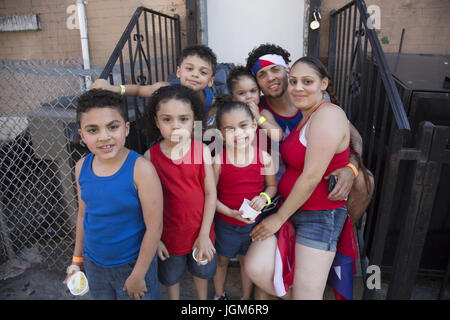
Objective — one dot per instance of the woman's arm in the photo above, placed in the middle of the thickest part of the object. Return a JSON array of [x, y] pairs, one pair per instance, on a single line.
[[326, 134]]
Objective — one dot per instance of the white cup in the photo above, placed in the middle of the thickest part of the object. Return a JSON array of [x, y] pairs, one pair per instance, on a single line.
[[249, 212], [78, 284], [194, 255]]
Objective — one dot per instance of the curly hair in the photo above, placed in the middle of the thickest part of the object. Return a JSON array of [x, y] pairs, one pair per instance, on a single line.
[[264, 49], [201, 51], [235, 74], [98, 98], [164, 94]]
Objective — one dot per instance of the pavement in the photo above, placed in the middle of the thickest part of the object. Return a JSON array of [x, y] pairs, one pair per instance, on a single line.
[[40, 283]]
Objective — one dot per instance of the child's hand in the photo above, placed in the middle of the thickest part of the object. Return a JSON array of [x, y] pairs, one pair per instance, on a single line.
[[101, 84], [205, 248], [258, 203], [163, 253], [255, 110], [238, 216], [70, 271], [135, 286]]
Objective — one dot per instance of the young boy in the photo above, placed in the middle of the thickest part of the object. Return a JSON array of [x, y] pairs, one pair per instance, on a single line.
[[119, 221], [196, 69]]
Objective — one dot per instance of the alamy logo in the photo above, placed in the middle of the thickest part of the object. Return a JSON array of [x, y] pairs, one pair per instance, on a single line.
[[72, 19], [374, 19]]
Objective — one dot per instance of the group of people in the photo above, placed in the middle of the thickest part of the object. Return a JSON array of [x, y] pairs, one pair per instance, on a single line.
[[140, 218]]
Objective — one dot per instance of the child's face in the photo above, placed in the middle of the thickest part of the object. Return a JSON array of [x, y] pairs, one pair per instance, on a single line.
[[195, 73], [238, 128], [175, 120], [245, 90], [104, 132]]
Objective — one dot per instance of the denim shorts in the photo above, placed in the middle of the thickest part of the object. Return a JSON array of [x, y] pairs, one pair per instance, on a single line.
[[232, 240], [107, 283], [319, 229], [171, 270]]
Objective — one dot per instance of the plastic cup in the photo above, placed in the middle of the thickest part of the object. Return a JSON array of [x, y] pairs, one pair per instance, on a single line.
[[78, 284], [203, 261], [249, 212]]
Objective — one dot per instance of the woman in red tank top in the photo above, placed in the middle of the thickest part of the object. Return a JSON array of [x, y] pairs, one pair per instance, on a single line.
[[318, 145]]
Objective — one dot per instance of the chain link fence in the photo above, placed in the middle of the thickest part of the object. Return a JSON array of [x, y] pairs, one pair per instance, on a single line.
[[38, 151]]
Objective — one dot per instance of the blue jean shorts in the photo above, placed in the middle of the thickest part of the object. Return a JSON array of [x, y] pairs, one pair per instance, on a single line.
[[171, 270], [319, 229], [232, 240], [107, 283]]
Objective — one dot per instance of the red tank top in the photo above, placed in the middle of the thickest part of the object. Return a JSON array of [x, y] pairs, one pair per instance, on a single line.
[[184, 197], [239, 183], [293, 154]]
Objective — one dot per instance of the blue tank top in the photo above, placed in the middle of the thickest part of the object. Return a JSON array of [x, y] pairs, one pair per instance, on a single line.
[[286, 123], [113, 222], [209, 95]]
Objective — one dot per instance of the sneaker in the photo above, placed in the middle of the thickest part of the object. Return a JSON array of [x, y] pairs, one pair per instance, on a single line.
[[224, 296]]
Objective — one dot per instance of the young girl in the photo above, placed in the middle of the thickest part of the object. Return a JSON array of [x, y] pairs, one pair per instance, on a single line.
[[243, 87], [241, 170], [184, 167], [119, 205]]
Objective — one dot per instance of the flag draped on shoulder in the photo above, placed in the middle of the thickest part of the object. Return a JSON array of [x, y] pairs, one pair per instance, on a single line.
[[342, 270]]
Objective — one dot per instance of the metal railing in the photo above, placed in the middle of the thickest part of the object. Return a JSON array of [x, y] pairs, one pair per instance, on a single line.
[[366, 90], [38, 206], [39, 144], [406, 164], [147, 52]]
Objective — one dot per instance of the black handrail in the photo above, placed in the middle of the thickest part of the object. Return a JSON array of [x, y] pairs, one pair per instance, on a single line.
[[378, 56], [366, 89], [129, 29], [152, 55]]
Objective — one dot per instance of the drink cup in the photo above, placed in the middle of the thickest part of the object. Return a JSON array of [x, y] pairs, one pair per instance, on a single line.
[[78, 284], [203, 260], [249, 212]]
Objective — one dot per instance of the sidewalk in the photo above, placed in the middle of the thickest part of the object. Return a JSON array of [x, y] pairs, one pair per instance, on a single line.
[[39, 283]]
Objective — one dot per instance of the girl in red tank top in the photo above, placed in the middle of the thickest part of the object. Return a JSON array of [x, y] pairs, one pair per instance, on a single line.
[[242, 171], [184, 166]]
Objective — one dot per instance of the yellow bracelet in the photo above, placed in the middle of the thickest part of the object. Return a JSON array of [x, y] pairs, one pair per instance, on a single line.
[[351, 166], [261, 120], [77, 259], [122, 89], [269, 201]]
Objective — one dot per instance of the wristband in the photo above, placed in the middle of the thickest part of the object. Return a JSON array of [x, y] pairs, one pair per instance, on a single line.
[[122, 89], [261, 120], [351, 166], [269, 201], [77, 259]]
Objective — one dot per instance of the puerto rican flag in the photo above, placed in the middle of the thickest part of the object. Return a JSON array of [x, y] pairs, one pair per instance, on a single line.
[[344, 265], [342, 270]]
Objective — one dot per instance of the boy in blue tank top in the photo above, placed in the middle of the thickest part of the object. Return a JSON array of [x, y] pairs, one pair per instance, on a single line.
[[119, 221]]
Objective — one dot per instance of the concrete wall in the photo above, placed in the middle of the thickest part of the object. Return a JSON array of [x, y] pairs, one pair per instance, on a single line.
[[106, 21], [426, 23]]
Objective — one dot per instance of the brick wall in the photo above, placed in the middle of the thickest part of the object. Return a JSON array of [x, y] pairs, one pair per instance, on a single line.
[[425, 21], [106, 21]]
